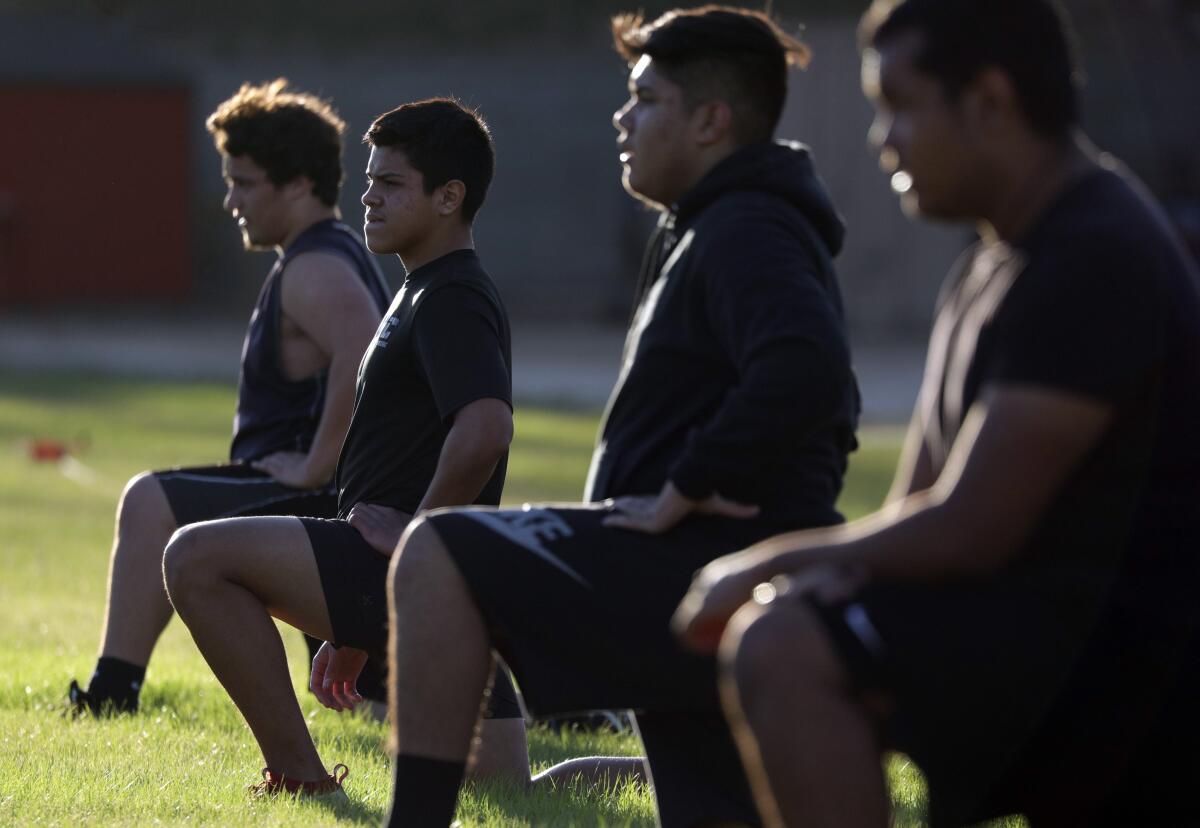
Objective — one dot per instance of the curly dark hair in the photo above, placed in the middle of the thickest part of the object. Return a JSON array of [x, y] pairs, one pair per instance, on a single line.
[[289, 134]]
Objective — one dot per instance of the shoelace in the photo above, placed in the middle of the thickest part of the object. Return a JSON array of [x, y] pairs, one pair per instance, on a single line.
[[79, 700], [274, 783]]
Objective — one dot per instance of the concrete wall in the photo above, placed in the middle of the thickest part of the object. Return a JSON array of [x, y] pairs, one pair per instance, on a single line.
[[557, 232]]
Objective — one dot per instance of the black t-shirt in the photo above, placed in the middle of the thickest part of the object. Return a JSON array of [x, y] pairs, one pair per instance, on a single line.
[[1097, 300], [444, 343]]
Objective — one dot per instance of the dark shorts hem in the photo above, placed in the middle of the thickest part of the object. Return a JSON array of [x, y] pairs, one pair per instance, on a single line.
[[354, 579], [200, 493], [580, 613]]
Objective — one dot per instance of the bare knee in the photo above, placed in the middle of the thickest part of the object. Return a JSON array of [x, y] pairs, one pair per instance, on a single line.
[[186, 563], [418, 558], [143, 507], [779, 644]]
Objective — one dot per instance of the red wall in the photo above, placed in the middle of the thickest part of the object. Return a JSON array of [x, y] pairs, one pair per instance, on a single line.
[[93, 193]]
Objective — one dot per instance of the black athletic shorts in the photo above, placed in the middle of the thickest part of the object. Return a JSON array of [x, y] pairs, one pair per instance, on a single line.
[[201, 493], [1010, 698], [580, 613], [354, 580]]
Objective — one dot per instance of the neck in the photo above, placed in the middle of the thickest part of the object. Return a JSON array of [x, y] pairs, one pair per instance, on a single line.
[[458, 236], [705, 162], [306, 217], [1034, 179]]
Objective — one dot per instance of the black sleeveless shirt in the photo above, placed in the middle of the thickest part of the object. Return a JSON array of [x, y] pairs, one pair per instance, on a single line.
[[273, 412]]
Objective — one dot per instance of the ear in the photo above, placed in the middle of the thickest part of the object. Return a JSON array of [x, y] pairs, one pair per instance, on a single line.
[[449, 197], [991, 101], [712, 122]]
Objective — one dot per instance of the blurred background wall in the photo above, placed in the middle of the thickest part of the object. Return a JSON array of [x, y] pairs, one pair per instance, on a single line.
[[110, 192]]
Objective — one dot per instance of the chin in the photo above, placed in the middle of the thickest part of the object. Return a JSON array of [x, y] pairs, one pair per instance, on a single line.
[[377, 242], [631, 187], [914, 206], [254, 241]]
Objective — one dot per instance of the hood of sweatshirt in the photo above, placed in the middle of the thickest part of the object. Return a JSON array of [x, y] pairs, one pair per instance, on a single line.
[[782, 168]]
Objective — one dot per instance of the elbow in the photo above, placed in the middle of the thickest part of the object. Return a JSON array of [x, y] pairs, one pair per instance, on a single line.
[[494, 437], [483, 430], [500, 437]]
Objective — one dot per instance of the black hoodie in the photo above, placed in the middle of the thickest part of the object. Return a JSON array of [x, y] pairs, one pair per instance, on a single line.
[[736, 373]]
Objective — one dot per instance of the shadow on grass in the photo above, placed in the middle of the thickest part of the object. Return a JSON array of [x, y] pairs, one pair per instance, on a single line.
[[573, 804], [348, 809], [212, 707]]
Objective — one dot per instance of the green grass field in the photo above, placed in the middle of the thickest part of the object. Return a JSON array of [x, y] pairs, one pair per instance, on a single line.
[[187, 757]]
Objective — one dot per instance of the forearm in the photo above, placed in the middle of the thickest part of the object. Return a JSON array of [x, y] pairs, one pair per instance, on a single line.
[[335, 420], [1013, 453], [919, 538], [466, 463], [914, 470]]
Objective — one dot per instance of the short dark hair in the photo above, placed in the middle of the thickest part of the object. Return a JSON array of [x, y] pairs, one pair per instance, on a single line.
[[289, 134], [738, 55], [1029, 40], [444, 140]]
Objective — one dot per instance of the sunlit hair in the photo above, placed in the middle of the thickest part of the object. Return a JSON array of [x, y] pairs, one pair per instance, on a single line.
[[443, 140], [1031, 41], [714, 52], [289, 134]]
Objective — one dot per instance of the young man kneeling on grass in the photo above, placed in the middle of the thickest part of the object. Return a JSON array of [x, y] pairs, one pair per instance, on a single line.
[[431, 426], [1020, 618], [281, 160], [732, 419]]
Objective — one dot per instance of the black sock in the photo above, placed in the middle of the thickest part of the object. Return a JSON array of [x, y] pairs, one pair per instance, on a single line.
[[424, 791], [118, 682]]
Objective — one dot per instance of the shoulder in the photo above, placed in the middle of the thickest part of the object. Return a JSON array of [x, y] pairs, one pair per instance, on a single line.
[[1105, 222], [319, 278], [458, 298], [756, 224], [316, 264], [467, 285], [746, 209], [1100, 266], [747, 239], [1103, 240]]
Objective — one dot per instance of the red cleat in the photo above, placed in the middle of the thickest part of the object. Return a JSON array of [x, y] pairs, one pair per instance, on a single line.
[[274, 784]]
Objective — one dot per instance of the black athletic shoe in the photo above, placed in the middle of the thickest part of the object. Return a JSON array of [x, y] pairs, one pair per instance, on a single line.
[[80, 702]]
